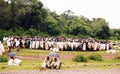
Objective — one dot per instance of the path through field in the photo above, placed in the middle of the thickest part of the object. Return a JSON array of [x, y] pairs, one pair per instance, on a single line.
[[98, 71], [65, 57]]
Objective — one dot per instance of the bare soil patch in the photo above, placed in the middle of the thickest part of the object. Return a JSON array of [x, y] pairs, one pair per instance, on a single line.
[[64, 57], [82, 71]]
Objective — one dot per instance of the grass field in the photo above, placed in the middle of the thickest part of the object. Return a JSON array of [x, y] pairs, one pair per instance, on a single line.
[[66, 57]]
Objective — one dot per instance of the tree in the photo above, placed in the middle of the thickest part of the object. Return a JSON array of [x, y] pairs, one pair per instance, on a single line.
[[50, 26], [104, 33], [115, 34], [33, 16], [4, 16], [29, 17], [68, 14], [100, 28]]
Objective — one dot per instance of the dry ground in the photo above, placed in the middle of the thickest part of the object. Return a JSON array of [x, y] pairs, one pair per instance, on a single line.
[[83, 71], [64, 57]]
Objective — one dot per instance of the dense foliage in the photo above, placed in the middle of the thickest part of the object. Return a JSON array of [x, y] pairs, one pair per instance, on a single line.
[[80, 58], [96, 57], [83, 58], [3, 59], [118, 57], [29, 17]]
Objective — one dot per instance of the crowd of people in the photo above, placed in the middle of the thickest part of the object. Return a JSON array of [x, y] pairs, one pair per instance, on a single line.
[[57, 44], [12, 42], [53, 44]]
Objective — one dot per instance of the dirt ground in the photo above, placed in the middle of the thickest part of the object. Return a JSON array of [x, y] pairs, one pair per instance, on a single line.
[[64, 57], [98, 71]]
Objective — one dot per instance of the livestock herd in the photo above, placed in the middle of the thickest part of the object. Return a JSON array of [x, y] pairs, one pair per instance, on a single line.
[[57, 44]]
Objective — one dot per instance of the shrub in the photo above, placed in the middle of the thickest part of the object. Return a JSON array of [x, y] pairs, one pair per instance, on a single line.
[[3, 58], [118, 57], [80, 58], [96, 57]]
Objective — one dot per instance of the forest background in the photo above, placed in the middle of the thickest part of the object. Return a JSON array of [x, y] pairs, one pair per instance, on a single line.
[[31, 18]]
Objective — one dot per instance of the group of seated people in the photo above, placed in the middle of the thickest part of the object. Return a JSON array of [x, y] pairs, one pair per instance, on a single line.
[[49, 62], [52, 63], [14, 61]]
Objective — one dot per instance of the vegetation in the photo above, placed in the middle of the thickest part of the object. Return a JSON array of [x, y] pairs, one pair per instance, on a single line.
[[30, 18], [118, 57], [3, 59], [80, 58], [96, 57], [83, 58], [69, 64]]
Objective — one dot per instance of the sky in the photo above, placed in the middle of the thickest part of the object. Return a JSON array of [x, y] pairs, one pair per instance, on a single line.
[[107, 9]]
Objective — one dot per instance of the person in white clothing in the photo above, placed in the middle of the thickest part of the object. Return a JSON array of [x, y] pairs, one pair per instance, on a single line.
[[1, 48], [9, 45], [56, 64], [14, 61], [11, 61], [17, 61], [17, 44], [46, 63]]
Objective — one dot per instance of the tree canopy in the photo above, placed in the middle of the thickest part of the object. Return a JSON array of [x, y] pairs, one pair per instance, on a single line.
[[30, 18]]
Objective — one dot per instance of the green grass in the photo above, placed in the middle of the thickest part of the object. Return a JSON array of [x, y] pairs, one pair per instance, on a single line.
[[68, 64], [26, 65], [31, 52]]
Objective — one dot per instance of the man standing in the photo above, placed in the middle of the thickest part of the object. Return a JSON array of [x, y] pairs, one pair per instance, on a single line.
[[18, 44]]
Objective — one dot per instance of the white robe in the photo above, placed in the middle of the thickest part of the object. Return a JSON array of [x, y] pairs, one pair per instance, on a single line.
[[1, 49], [11, 62], [17, 43], [46, 63], [17, 62], [84, 46]]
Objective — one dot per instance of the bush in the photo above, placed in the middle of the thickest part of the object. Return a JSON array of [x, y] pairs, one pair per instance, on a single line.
[[3, 58], [118, 57], [96, 57], [80, 58]]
